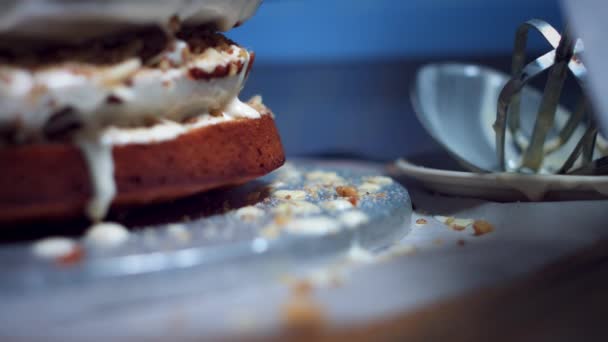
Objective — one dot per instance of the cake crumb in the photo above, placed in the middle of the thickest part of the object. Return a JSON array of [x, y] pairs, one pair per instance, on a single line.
[[349, 192], [457, 224], [346, 191], [461, 242], [482, 227], [421, 221]]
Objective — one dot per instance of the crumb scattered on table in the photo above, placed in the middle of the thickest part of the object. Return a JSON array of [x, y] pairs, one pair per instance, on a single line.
[[482, 227], [421, 221]]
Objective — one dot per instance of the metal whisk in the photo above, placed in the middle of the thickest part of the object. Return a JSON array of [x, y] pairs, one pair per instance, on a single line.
[[559, 63]]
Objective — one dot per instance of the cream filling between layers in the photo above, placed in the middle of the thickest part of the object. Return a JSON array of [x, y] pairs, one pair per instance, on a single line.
[[124, 94], [32, 97], [96, 147]]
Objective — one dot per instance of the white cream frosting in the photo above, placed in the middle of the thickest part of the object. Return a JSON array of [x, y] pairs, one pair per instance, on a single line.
[[168, 129], [32, 97]]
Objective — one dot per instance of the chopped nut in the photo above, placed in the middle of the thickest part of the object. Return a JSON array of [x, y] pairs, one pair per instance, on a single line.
[[482, 227], [346, 191], [290, 194], [353, 200], [461, 242], [456, 224], [349, 192], [421, 221], [457, 228], [216, 113]]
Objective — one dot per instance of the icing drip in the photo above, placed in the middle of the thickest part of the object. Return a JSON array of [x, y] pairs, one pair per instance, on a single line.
[[96, 147], [100, 165]]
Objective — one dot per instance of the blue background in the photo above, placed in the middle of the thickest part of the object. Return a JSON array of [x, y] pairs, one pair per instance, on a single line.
[[292, 31], [337, 73]]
